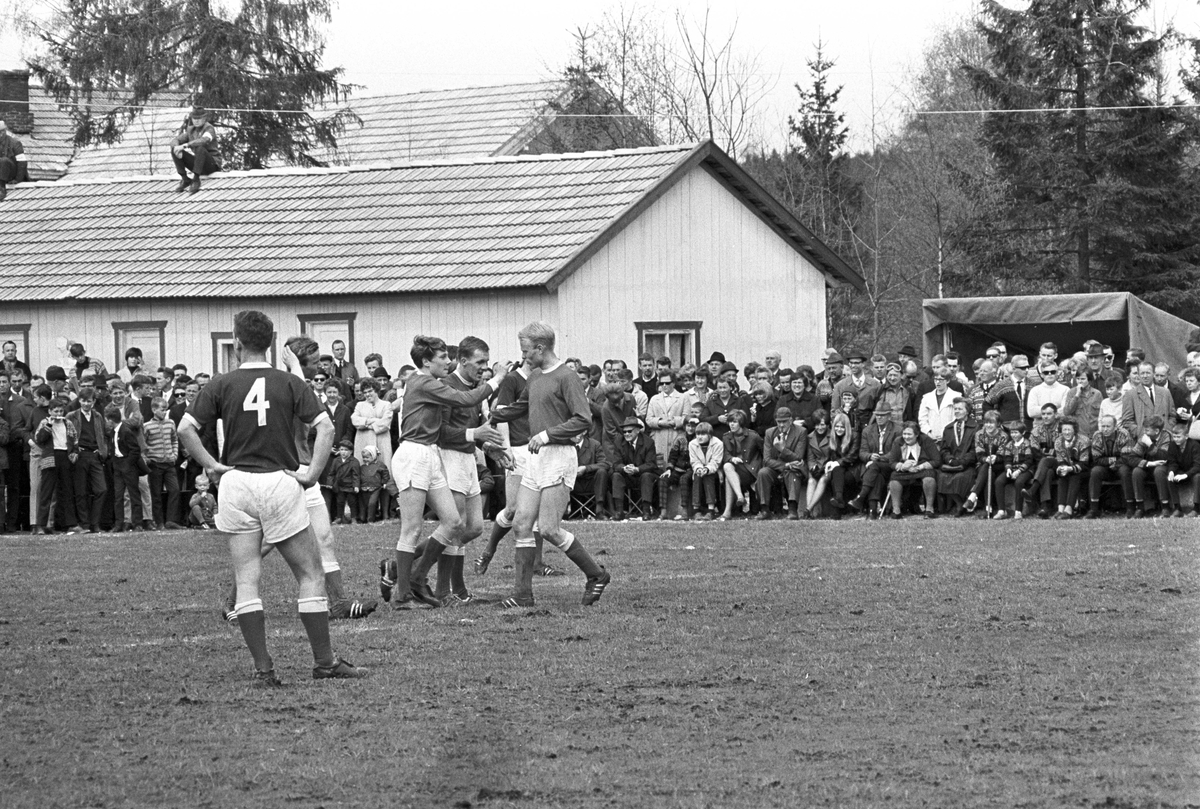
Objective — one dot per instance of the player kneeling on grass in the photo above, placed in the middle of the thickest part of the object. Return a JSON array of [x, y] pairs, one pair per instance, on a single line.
[[262, 489]]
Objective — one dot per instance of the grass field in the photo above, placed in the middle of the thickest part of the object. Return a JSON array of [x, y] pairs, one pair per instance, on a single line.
[[818, 664]]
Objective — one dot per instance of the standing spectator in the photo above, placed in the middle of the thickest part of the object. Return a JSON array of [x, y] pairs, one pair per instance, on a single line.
[[56, 437], [864, 385], [345, 478], [1083, 405], [162, 456], [194, 149], [799, 399], [89, 481], [700, 390], [893, 400], [762, 407], [646, 380], [127, 463], [1050, 391], [617, 407], [13, 162], [641, 402], [373, 477], [133, 365], [342, 367], [372, 420], [936, 412], [37, 461], [665, 416], [339, 414], [17, 415], [84, 363], [1144, 400], [720, 405], [10, 361]]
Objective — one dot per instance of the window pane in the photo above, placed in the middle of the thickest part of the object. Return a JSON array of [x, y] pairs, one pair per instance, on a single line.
[[654, 344], [145, 339]]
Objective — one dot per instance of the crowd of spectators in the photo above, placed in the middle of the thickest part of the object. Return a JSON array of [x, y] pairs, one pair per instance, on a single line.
[[874, 435]]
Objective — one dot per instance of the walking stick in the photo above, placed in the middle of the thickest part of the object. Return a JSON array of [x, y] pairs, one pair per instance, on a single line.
[[886, 499], [991, 472]]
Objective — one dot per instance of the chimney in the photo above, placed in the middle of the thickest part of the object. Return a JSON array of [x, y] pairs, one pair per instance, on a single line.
[[14, 101]]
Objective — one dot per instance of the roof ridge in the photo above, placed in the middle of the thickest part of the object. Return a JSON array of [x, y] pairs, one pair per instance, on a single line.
[[365, 167]]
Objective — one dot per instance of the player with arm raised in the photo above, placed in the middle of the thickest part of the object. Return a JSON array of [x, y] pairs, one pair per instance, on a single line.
[[558, 412], [418, 471], [262, 493]]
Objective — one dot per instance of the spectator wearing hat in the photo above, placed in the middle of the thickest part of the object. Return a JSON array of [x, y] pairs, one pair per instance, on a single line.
[[784, 448], [13, 162], [829, 378], [905, 354], [633, 461], [866, 386], [715, 361], [894, 399], [194, 149]]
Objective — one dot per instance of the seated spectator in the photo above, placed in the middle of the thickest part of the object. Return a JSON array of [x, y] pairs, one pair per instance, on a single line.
[[1018, 469], [1183, 473], [1042, 438], [1072, 458], [914, 461], [13, 162], [841, 461], [194, 149], [617, 408], [784, 450], [706, 454], [817, 455], [956, 474], [743, 459], [373, 477], [633, 461], [993, 448], [1150, 455], [202, 507], [592, 474], [1112, 459], [678, 472], [874, 454]]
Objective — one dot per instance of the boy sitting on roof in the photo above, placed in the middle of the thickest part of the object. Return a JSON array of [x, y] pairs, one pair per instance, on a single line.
[[13, 168], [194, 149]]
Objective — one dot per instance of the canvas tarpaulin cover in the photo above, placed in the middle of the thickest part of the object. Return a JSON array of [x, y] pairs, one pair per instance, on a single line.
[[1024, 322]]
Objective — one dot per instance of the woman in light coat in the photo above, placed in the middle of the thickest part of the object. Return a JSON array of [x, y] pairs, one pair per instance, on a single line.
[[372, 421]]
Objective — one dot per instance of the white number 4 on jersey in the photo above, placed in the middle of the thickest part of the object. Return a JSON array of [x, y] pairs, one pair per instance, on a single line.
[[256, 400]]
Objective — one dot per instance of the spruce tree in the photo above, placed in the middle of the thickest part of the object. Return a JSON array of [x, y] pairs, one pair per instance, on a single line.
[[1097, 191], [257, 66]]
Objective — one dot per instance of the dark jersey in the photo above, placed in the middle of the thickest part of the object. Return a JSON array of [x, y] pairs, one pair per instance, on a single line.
[[259, 408], [509, 392]]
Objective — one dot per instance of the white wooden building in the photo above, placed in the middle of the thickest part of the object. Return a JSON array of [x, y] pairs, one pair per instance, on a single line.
[[671, 250]]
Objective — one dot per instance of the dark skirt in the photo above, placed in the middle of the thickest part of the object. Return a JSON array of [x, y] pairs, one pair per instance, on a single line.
[[904, 478], [958, 484]]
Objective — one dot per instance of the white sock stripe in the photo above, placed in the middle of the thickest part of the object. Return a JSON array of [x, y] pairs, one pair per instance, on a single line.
[[253, 605], [502, 519], [314, 604]]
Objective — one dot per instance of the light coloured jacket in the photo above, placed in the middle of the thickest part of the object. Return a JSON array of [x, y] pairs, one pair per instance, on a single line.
[[706, 460]]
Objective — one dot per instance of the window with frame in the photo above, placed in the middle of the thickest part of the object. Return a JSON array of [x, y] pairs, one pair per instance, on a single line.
[[223, 358], [148, 335], [678, 339], [327, 329], [19, 334]]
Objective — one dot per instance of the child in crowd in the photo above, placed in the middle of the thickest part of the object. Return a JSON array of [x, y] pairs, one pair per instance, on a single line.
[[1183, 472], [373, 476], [345, 476], [202, 508], [162, 454], [706, 456], [679, 471], [57, 439], [127, 462], [1111, 405], [1019, 468]]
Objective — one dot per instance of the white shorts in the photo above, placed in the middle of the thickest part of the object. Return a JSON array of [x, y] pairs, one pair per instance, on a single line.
[[552, 465], [460, 471], [272, 503], [520, 460], [312, 495], [418, 466]]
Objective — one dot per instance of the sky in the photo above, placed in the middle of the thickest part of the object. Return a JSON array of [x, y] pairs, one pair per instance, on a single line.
[[389, 46]]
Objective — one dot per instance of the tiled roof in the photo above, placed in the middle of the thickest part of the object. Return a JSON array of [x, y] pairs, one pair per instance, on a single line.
[[438, 125], [503, 222], [452, 225]]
